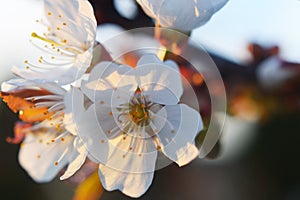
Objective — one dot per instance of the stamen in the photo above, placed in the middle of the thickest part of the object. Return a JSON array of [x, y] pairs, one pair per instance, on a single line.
[[34, 35]]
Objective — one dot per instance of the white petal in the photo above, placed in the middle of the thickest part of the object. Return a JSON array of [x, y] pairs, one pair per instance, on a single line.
[[76, 160], [188, 14], [95, 141], [79, 20], [74, 107], [151, 7], [182, 15], [179, 132], [160, 81], [131, 184], [218, 4], [38, 155], [147, 59], [104, 78], [63, 74], [14, 84], [107, 143], [19, 83], [132, 153]]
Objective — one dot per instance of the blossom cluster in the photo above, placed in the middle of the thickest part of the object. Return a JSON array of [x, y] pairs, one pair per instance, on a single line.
[[73, 108]]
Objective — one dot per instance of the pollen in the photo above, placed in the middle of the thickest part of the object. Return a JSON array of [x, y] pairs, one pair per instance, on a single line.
[[41, 141], [56, 163], [102, 141], [130, 148], [101, 102], [27, 67], [59, 16], [38, 156], [49, 13], [62, 139], [110, 113], [64, 23], [52, 140], [25, 61], [58, 28], [64, 41], [158, 148], [108, 132], [124, 156], [52, 57]]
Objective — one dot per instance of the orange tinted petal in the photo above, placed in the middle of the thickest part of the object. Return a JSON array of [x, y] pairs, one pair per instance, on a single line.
[[27, 111]]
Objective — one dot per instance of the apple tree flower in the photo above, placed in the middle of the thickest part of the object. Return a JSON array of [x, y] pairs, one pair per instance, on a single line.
[[183, 15], [50, 143], [135, 118], [65, 45]]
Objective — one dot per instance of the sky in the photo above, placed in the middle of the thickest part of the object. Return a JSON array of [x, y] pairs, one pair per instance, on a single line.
[[241, 21], [227, 33]]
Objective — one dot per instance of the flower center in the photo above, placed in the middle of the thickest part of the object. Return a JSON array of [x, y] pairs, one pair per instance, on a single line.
[[139, 114]]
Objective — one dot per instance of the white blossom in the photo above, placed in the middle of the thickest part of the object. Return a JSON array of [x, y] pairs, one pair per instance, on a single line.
[[183, 15], [51, 144], [66, 44], [136, 115]]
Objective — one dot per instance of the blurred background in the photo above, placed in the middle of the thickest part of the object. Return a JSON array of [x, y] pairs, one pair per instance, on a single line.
[[256, 46]]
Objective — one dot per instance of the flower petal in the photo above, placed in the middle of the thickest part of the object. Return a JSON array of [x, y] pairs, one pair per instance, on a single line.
[[182, 15], [177, 136], [131, 184], [20, 83], [73, 99], [160, 81], [90, 132], [77, 24], [136, 149], [136, 152], [76, 160], [41, 157], [147, 59], [151, 7], [104, 78]]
